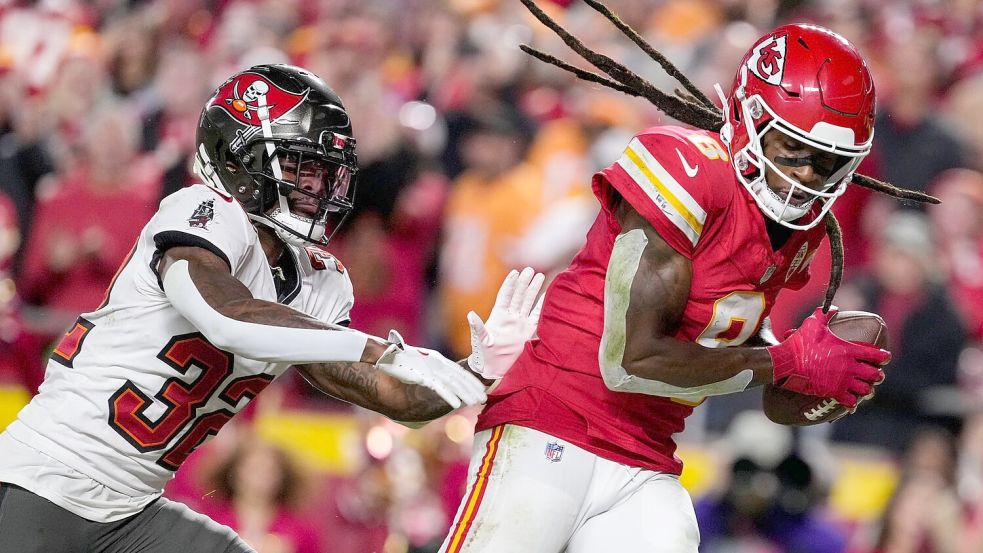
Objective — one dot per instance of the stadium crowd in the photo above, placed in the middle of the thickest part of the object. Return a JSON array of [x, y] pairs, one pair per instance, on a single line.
[[475, 159]]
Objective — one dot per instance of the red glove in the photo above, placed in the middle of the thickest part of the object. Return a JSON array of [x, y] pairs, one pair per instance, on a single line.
[[814, 361]]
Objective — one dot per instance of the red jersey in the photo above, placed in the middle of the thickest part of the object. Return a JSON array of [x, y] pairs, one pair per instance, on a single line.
[[682, 182]]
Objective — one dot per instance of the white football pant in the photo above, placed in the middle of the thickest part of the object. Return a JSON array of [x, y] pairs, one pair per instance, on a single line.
[[529, 492]]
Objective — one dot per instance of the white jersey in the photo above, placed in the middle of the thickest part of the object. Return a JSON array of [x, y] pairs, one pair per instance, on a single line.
[[133, 388]]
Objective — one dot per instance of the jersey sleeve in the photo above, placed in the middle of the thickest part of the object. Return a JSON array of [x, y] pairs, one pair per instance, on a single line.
[[341, 314], [669, 181], [201, 217]]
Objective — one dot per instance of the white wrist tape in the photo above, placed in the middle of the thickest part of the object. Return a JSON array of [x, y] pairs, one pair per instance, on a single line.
[[271, 344], [623, 265]]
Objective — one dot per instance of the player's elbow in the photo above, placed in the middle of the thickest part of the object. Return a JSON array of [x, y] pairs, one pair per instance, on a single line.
[[615, 376], [220, 337], [222, 330], [616, 365], [223, 333], [639, 363], [632, 368]]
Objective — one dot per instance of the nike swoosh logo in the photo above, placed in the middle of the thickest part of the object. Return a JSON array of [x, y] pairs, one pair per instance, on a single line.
[[690, 171]]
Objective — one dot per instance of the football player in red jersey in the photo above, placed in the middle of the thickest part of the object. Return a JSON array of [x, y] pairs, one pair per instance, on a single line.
[[699, 231]]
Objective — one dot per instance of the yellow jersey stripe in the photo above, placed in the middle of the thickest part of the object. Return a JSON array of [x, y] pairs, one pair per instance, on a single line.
[[678, 205], [669, 180]]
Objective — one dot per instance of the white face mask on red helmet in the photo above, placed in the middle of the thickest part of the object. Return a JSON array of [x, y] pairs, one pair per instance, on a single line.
[[812, 85]]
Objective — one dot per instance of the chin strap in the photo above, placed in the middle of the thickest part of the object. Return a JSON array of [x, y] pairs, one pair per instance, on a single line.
[[205, 169], [282, 233]]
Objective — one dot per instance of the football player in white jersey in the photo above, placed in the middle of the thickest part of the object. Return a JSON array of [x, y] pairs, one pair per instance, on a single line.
[[226, 287]]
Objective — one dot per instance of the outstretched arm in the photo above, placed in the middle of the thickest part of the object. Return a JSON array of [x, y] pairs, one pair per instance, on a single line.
[[199, 285], [360, 384], [345, 363]]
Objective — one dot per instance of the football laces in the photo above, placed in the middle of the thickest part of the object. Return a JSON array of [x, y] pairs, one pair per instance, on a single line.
[[821, 410]]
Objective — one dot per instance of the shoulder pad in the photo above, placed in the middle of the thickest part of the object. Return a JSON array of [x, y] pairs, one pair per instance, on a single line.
[[674, 177]]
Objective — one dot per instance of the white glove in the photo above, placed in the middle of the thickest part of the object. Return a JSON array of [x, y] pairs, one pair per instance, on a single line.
[[428, 368], [497, 343]]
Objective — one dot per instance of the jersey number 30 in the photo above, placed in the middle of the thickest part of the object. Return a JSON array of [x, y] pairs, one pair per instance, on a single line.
[[181, 400]]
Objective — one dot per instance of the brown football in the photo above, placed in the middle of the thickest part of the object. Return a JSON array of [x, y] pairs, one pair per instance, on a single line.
[[795, 409]]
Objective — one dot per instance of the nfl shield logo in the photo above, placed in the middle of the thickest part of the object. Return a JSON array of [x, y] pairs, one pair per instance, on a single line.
[[554, 452]]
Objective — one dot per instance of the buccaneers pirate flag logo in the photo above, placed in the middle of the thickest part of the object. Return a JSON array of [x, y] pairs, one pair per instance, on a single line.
[[203, 215], [251, 98]]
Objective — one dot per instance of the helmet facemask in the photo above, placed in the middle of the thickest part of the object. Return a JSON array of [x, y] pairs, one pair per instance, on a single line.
[[320, 186], [750, 162]]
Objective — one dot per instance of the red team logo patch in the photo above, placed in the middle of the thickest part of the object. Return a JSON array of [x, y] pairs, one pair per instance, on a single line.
[[245, 97], [768, 60]]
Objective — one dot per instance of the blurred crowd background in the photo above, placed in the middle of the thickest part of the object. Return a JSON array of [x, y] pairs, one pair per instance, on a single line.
[[476, 159]]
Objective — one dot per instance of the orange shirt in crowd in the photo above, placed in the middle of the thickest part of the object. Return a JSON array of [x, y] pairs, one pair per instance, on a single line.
[[483, 220]]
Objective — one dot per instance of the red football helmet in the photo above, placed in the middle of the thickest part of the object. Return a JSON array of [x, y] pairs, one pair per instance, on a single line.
[[811, 84]]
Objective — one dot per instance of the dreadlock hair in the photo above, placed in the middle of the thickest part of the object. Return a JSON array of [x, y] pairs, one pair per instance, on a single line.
[[689, 106]]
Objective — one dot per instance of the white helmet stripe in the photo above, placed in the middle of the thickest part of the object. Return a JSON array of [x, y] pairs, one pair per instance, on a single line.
[[264, 120]]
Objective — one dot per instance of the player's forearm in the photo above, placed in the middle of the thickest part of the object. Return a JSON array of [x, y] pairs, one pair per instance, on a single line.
[[684, 370], [274, 314], [363, 385], [688, 364]]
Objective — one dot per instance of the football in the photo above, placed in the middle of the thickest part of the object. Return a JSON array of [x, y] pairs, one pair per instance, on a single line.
[[794, 409]]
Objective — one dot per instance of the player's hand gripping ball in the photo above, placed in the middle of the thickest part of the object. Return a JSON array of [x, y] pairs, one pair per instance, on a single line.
[[791, 408]]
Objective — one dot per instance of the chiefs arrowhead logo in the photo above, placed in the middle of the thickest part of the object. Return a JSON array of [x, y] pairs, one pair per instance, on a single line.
[[768, 60], [250, 98]]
